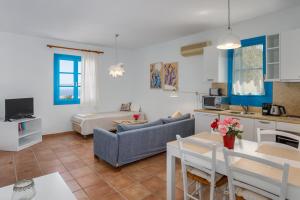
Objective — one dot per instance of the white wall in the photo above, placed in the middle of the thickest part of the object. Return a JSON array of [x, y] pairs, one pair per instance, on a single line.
[[157, 103], [26, 70]]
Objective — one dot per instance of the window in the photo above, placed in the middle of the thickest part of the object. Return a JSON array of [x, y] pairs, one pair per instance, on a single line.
[[247, 66], [247, 78], [67, 79]]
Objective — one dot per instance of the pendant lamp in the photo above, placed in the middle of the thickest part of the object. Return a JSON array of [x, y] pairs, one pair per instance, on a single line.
[[229, 40], [116, 70]]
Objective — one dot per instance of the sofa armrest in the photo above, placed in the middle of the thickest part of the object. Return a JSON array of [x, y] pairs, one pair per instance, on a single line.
[[106, 146]]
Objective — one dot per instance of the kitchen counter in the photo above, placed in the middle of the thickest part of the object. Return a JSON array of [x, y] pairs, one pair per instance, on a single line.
[[255, 115]]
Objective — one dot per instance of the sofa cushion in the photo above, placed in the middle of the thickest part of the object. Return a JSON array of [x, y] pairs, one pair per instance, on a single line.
[[123, 127], [176, 115], [170, 120]]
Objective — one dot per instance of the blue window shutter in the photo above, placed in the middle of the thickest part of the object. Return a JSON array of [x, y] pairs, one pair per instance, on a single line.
[[250, 100], [56, 81]]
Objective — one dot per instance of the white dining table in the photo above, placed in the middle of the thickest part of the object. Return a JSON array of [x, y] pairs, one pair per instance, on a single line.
[[242, 146], [48, 187]]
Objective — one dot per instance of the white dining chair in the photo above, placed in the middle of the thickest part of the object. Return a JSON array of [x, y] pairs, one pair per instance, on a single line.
[[244, 184], [262, 134], [199, 168]]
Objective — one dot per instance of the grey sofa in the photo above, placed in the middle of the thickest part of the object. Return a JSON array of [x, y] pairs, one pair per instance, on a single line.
[[132, 145]]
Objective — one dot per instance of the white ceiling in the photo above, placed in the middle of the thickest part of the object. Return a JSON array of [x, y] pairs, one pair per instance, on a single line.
[[139, 22]]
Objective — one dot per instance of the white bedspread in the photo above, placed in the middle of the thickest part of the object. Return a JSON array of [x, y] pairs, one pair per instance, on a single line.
[[88, 122]]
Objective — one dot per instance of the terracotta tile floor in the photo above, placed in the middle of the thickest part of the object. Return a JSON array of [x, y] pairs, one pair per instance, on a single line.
[[88, 177]]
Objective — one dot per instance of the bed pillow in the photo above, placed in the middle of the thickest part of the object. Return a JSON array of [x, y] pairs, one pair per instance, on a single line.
[[124, 127], [170, 120], [125, 106]]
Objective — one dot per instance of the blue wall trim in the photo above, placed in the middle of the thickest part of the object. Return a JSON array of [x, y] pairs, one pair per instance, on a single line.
[[250, 100], [56, 86]]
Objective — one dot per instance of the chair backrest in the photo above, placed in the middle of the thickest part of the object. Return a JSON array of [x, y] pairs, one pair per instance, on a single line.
[[261, 133], [263, 185], [191, 158]]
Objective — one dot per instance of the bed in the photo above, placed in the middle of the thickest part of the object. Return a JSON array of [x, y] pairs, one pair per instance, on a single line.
[[86, 123]]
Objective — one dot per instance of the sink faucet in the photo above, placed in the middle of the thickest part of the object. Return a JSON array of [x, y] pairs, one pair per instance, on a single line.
[[245, 109]]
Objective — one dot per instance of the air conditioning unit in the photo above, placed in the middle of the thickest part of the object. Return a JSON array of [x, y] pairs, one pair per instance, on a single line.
[[194, 49]]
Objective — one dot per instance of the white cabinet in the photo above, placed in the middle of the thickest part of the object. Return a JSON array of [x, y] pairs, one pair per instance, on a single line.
[[290, 54], [266, 125], [215, 65], [273, 58], [20, 134], [288, 127], [203, 121], [248, 127]]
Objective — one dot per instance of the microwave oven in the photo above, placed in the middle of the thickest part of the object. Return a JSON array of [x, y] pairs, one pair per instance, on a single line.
[[215, 102]]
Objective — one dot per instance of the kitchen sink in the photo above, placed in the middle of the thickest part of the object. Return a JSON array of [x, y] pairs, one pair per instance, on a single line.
[[241, 113], [235, 112]]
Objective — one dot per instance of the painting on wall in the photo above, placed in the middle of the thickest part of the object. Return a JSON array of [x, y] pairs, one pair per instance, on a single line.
[[156, 75], [170, 76]]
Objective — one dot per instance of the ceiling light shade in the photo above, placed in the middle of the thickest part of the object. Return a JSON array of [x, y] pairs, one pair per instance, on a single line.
[[116, 70], [229, 41]]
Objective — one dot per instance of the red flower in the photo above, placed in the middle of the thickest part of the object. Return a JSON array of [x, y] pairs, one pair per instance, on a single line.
[[136, 116], [214, 125]]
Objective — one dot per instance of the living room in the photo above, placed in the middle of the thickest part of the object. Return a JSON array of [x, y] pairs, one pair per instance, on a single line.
[[82, 142]]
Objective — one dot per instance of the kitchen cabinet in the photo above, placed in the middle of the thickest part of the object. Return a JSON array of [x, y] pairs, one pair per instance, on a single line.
[[288, 127], [290, 54], [215, 64], [203, 121], [248, 127], [273, 58], [266, 125]]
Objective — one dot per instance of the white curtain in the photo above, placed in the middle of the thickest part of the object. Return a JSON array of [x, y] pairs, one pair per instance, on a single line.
[[89, 68], [247, 78]]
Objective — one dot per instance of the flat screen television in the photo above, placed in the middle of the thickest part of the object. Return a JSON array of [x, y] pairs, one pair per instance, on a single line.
[[18, 108]]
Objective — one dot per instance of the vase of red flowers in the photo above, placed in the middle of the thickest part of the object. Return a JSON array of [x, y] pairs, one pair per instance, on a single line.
[[229, 128], [136, 116]]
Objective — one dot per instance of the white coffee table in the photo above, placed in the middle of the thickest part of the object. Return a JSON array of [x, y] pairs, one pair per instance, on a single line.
[[48, 187], [130, 121]]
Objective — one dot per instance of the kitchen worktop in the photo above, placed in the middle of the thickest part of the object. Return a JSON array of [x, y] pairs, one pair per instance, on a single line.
[[254, 115]]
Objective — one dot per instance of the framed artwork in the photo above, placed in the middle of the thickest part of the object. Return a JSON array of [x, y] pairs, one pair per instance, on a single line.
[[156, 75], [170, 76]]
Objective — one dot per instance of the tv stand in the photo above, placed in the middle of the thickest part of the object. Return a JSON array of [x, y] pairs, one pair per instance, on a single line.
[[19, 118], [30, 116], [20, 134]]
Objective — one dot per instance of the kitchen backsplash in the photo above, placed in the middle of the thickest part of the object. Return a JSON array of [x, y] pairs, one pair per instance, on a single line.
[[287, 95], [223, 87]]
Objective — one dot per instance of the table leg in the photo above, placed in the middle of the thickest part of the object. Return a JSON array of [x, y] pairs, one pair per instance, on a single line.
[[170, 176]]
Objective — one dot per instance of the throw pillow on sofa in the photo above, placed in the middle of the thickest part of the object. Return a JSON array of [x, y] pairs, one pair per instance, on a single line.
[[176, 115], [124, 127], [170, 120]]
